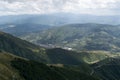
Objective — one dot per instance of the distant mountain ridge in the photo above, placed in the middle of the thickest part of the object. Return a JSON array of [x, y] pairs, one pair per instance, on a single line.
[[57, 19], [22, 29]]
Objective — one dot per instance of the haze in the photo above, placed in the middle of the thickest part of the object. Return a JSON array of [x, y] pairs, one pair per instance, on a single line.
[[94, 7]]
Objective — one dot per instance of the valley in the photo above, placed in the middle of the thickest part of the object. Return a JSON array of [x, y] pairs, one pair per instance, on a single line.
[[59, 39], [32, 51], [20, 58], [79, 37]]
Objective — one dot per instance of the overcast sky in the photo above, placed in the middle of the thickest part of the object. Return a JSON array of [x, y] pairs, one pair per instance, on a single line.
[[94, 7]]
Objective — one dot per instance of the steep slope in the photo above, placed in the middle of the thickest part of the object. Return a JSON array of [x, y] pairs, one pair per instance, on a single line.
[[7, 72], [13, 67], [108, 69], [17, 68], [31, 70], [79, 37], [11, 44]]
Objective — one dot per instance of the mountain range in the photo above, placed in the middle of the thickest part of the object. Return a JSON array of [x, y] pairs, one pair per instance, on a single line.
[[22, 60], [57, 19], [59, 47], [18, 58]]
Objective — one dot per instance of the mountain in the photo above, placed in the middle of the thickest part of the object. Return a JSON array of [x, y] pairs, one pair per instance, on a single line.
[[87, 51], [89, 36], [57, 19], [23, 28]]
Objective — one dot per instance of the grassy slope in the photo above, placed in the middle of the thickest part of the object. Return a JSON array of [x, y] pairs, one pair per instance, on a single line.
[[108, 69], [32, 70], [16, 68], [7, 72]]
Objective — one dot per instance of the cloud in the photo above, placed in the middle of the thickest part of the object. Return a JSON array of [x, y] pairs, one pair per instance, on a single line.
[[95, 7]]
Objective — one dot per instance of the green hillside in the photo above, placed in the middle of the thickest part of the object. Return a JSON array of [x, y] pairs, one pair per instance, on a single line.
[[108, 69], [31, 70], [62, 56], [16, 68], [79, 37], [7, 72]]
